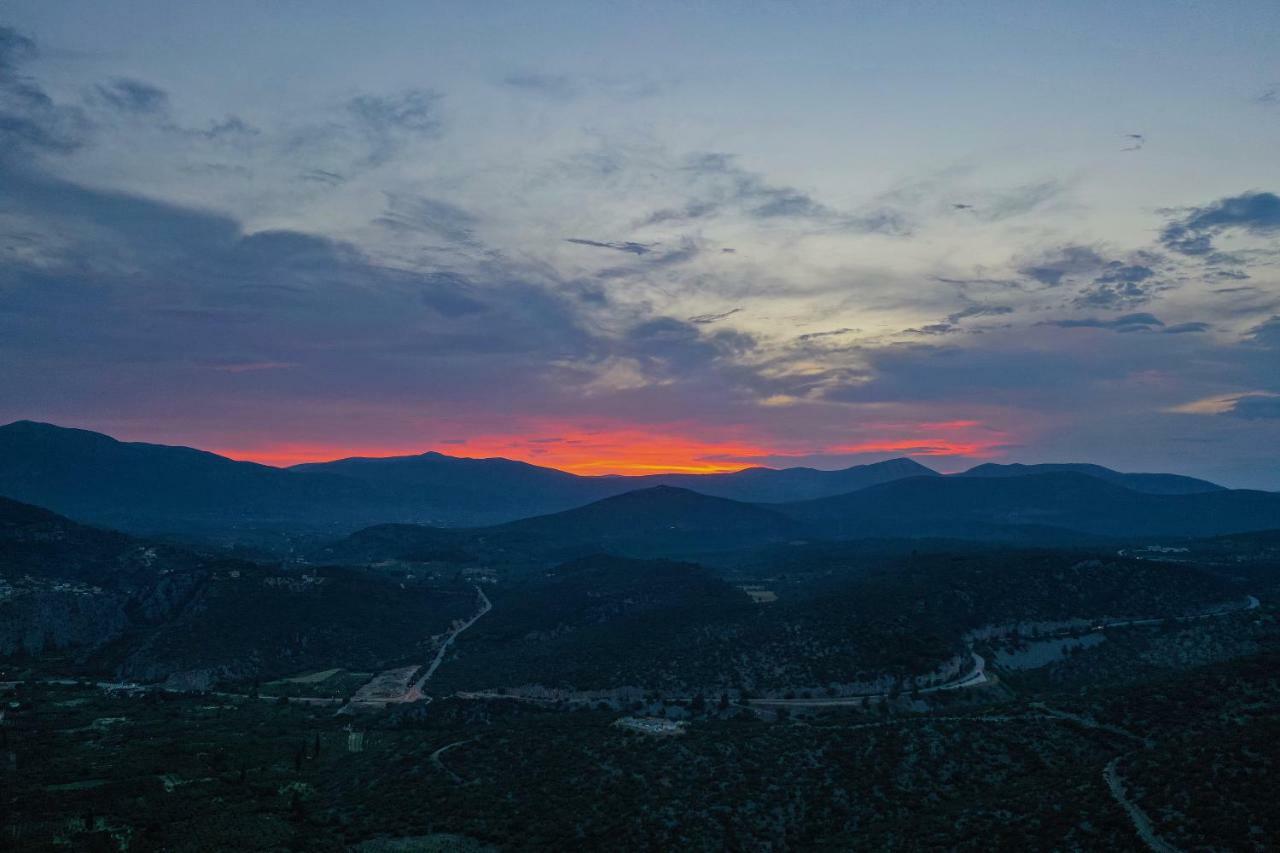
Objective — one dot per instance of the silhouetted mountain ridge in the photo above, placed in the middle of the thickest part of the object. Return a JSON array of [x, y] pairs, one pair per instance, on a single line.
[[1156, 484]]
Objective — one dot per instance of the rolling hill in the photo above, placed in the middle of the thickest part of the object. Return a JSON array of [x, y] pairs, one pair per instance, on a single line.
[[135, 609], [1035, 507], [1155, 484]]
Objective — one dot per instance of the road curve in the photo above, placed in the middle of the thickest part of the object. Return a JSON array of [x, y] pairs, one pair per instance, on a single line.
[[978, 676]]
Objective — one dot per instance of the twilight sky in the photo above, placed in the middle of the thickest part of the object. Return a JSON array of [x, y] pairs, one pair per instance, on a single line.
[[625, 237]]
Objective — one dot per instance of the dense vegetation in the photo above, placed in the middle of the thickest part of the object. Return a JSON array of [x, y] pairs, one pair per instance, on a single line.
[[519, 747]]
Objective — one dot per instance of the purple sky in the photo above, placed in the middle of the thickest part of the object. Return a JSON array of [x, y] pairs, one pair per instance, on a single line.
[[651, 236]]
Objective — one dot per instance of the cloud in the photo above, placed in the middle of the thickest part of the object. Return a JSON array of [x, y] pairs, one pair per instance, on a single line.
[[230, 128], [15, 49], [1186, 328], [568, 87], [727, 188], [559, 86], [1267, 333], [1113, 296], [1255, 213], [1124, 323], [30, 120], [1067, 262], [932, 329], [133, 96], [812, 336], [1250, 405], [410, 214], [1016, 201], [321, 176], [387, 120], [979, 311], [1257, 407], [705, 319], [633, 248]]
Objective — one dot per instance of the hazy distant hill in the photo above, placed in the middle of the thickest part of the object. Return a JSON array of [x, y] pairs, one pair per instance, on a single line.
[[522, 489], [1031, 507], [1156, 484], [657, 521], [769, 485], [149, 488], [1049, 509]]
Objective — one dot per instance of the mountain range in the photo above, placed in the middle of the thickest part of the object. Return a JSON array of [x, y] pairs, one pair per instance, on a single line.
[[149, 488]]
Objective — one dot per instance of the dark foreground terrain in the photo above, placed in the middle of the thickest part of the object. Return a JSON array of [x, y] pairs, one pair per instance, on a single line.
[[495, 692]]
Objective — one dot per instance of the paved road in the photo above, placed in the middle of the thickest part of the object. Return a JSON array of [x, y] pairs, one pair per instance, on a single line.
[[1141, 823], [414, 693], [977, 676], [974, 677], [436, 759]]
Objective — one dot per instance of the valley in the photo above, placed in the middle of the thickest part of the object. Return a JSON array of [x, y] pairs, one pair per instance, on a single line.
[[663, 668]]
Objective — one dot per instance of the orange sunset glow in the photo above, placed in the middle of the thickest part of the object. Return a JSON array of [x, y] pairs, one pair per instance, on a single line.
[[623, 450]]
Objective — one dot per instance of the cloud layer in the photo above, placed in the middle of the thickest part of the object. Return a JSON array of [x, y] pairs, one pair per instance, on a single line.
[[397, 267]]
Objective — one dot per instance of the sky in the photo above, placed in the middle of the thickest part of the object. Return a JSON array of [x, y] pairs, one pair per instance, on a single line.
[[632, 237]]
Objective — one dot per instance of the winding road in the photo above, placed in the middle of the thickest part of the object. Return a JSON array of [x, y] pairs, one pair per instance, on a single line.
[[1141, 823], [978, 676]]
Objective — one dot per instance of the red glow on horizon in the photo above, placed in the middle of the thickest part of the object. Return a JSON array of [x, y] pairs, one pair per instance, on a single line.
[[626, 450]]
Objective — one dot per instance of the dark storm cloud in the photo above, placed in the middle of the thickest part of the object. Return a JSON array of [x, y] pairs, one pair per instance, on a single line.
[[30, 120], [633, 248], [133, 96], [1255, 213], [1124, 323]]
